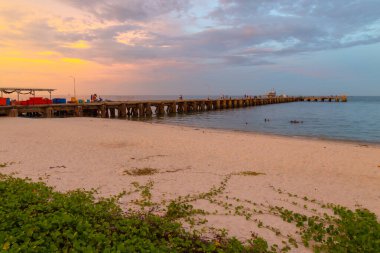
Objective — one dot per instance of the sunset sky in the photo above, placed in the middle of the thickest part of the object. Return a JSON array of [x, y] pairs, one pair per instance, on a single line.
[[199, 47]]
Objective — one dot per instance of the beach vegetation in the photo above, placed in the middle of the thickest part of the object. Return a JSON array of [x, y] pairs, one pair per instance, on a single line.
[[6, 164], [345, 231], [250, 173], [35, 218], [339, 229], [141, 171]]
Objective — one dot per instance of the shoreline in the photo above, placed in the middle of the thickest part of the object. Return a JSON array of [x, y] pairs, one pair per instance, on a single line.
[[297, 137]]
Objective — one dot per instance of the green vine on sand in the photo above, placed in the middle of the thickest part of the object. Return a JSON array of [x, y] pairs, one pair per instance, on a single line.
[[322, 231], [33, 217]]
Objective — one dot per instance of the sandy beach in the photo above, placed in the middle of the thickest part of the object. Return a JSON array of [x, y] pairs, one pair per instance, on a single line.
[[91, 153]]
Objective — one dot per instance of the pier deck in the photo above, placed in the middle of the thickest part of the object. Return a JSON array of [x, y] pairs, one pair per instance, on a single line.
[[124, 109]]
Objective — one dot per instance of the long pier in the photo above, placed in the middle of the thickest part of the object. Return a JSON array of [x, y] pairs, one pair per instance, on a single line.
[[141, 109]]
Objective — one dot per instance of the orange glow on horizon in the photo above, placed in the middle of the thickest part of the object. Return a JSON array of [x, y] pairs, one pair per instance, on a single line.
[[50, 69]]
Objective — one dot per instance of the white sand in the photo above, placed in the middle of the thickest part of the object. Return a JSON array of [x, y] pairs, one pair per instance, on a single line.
[[94, 153]]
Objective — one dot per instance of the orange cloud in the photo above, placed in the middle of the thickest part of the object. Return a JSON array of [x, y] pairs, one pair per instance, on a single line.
[[80, 44], [134, 38]]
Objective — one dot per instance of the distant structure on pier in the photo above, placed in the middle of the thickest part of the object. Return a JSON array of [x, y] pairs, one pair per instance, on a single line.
[[271, 94], [23, 91]]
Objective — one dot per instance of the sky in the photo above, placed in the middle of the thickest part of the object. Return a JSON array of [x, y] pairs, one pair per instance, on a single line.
[[192, 47]]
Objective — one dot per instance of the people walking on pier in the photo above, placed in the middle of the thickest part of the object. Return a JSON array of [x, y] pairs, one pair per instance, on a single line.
[[94, 98]]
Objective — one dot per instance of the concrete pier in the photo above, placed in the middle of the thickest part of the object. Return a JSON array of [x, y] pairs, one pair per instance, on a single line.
[[140, 109]]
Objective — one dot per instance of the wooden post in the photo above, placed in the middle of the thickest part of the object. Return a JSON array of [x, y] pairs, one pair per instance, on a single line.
[[194, 106], [160, 109], [134, 111], [103, 111], [203, 105], [185, 107], [209, 105], [113, 113], [217, 104], [140, 110], [180, 107], [230, 103], [78, 111], [122, 111], [148, 109], [224, 104], [13, 113]]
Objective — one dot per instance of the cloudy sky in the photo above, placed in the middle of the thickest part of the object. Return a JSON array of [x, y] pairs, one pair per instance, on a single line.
[[192, 46]]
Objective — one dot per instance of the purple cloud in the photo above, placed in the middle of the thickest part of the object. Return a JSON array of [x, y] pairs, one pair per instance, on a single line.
[[122, 10], [242, 32]]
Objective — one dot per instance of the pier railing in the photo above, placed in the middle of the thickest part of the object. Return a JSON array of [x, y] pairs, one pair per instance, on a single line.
[[147, 108]]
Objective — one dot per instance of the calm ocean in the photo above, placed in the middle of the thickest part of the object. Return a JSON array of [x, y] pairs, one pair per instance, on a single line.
[[356, 120]]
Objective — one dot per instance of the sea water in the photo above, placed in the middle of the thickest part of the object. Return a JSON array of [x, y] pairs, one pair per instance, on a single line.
[[356, 120]]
